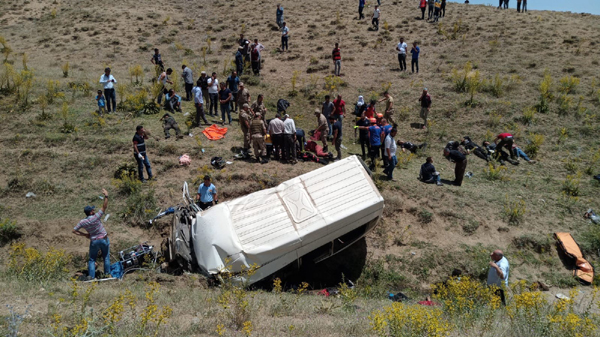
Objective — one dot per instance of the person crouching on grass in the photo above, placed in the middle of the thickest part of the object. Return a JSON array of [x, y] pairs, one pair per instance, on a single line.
[[98, 237]]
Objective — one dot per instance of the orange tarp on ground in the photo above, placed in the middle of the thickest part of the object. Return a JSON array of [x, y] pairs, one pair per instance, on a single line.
[[583, 269], [214, 132]]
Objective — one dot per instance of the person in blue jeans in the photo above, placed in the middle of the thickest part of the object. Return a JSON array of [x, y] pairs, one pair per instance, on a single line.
[[139, 152], [428, 174], [390, 152], [279, 15], [225, 97], [98, 237], [521, 154], [415, 50]]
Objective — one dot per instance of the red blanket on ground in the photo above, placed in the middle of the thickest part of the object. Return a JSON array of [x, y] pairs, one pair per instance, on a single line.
[[214, 132]]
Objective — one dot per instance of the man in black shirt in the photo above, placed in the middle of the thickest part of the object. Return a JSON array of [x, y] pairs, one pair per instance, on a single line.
[[336, 127], [428, 173], [139, 153], [461, 164]]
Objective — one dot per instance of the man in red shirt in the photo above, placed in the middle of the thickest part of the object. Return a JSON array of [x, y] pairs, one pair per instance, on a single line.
[[337, 59], [505, 140], [339, 108]]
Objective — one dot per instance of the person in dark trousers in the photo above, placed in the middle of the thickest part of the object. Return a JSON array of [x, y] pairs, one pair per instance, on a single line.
[[460, 161], [401, 49], [498, 273], [188, 79], [289, 139], [428, 174], [199, 104], [430, 6], [414, 51], [157, 61], [225, 97], [390, 154], [97, 235], [361, 7], [336, 126], [524, 6], [443, 9], [139, 153], [207, 194], [425, 101], [245, 44], [285, 35], [375, 17], [505, 4], [477, 150], [505, 140], [213, 94], [233, 82], [376, 134], [411, 147], [363, 134], [203, 84], [337, 59], [423, 6], [279, 16], [239, 61], [108, 81], [518, 6]]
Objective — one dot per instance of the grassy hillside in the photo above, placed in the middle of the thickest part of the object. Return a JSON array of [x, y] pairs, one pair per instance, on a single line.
[[534, 75]]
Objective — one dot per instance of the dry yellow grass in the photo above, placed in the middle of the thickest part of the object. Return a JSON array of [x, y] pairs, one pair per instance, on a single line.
[[66, 171]]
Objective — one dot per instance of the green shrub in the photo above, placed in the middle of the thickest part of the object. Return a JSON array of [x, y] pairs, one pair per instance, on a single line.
[[571, 185], [128, 184], [514, 210], [568, 84], [8, 231], [535, 141], [140, 207], [495, 172]]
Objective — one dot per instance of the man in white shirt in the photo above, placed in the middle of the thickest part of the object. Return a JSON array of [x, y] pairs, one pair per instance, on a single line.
[[276, 128], [199, 103], [498, 273], [401, 48], [108, 81], [375, 17], [285, 31], [213, 94], [390, 152], [164, 79], [289, 139]]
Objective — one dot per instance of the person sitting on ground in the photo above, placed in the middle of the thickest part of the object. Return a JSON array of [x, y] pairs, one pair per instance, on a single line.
[[428, 174], [411, 147], [318, 150], [471, 147], [521, 154], [170, 123], [172, 101]]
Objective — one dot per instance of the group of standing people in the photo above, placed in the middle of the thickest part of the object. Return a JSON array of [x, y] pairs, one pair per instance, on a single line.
[[435, 9], [503, 4]]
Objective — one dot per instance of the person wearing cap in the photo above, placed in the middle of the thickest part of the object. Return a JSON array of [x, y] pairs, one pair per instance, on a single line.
[[98, 237], [233, 82], [425, 101], [139, 153], [498, 273], [108, 81], [322, 128], [198, 103], [336, 141], [163, 79], [244, 121], [188, 79], [170, 123], [203, 84], [243, 96], [460, 167], [363, 134], [258, 132], [276, 128], [389, 107], [390, 154], [239, 61], [289, 139], [207, 194], [259, 107]]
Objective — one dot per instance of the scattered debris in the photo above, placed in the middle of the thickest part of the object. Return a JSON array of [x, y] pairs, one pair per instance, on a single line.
[[562, 297], [185, 160], [30, 195], [592, 216]]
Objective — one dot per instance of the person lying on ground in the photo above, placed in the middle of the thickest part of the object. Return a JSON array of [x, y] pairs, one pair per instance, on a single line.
[[428, 174], [521, 154], [477, 150], [168, 124], [411, 147]]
